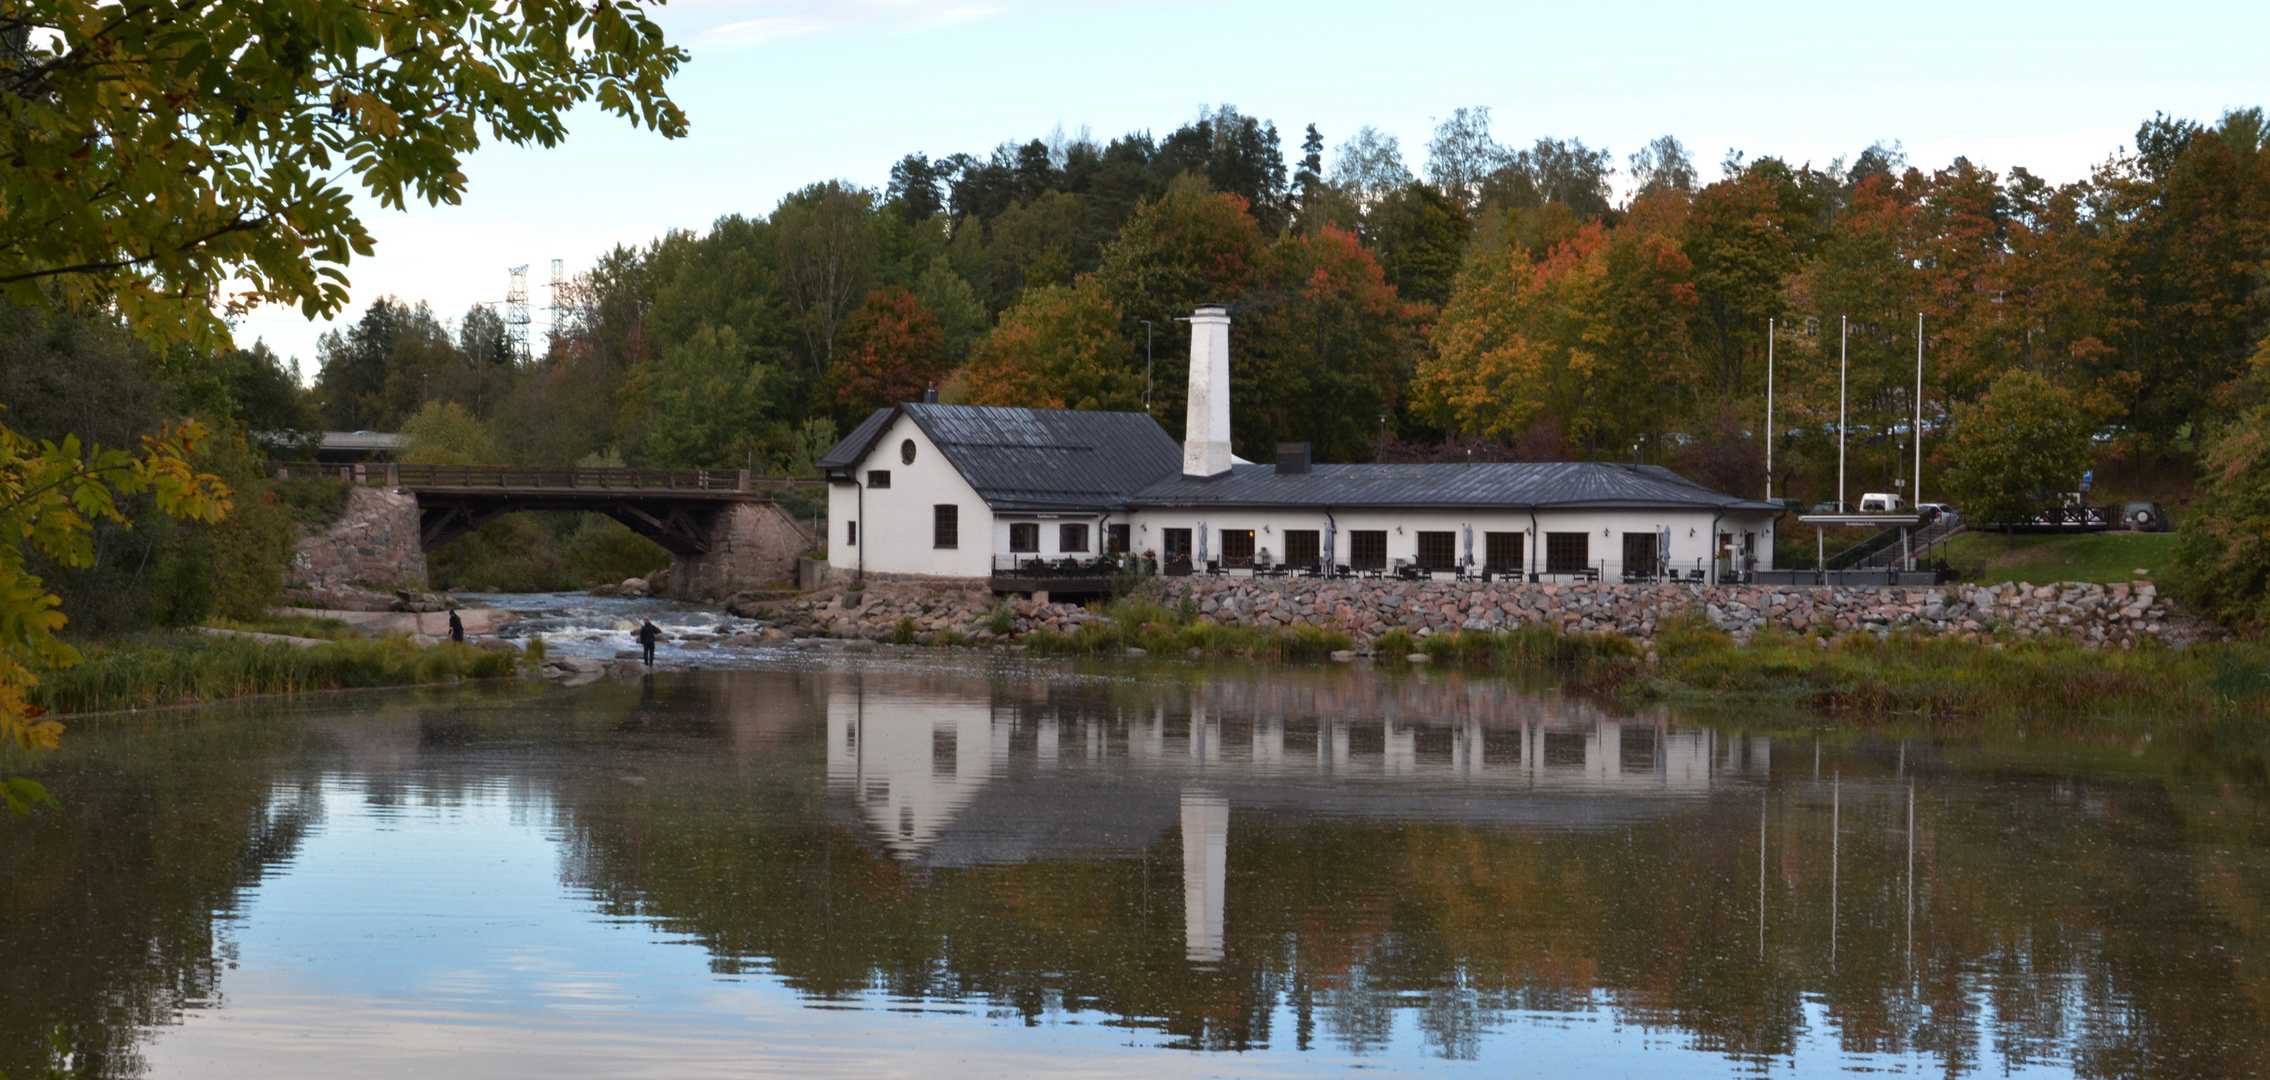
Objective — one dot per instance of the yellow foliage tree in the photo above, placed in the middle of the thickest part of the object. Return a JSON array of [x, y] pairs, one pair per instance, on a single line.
[[51, 495], [1594, 336]]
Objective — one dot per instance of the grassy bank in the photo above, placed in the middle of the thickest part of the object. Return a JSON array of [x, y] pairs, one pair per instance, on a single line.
[[1156, 628], [2100, 557], [170, 668], [1863, 676], [1856, 677]]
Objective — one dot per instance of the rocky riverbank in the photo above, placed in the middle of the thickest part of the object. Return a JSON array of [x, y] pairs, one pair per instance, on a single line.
[[2115, 616]]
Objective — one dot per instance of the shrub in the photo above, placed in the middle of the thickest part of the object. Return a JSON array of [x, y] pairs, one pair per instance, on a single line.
[[903, 633], [1395, 644]]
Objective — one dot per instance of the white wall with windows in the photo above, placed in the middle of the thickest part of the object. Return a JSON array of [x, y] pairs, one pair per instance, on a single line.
[[1551, 541], [903, 482]]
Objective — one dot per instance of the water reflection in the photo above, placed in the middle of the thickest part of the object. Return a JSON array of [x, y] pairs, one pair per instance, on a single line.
[[1319, 868]]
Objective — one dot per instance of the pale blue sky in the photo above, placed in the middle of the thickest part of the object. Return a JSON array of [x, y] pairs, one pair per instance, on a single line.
[[783, 93]]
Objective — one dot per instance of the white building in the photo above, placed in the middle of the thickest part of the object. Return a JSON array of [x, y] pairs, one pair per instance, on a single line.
[[975, 491]]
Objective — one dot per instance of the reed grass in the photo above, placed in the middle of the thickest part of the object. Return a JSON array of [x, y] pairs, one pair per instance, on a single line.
[[171, 668], [1154, 627]]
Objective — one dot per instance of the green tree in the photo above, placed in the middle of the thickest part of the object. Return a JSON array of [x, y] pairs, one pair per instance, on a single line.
[[1190, 246], [152, 153], [2017, 449], [1419, 238], [2222, 549], [443, 433], [706, 402]]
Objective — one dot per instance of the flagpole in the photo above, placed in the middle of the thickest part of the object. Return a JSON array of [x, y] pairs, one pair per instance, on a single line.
[[1769, 410], [1918, 407], [1843, 334]]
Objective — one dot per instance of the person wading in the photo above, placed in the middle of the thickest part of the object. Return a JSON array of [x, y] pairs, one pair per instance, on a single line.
[[456, 628], [647, 636]]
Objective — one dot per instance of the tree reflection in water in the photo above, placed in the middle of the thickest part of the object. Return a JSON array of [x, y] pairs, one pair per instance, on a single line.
[[1313, 859]]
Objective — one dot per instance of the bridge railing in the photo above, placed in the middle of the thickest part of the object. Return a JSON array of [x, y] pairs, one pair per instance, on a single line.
[[565, 478]]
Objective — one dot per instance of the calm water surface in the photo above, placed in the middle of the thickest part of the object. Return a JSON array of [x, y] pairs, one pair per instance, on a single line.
[[926, 866]]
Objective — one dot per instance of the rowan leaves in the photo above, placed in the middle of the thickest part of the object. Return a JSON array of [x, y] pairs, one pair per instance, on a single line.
[[155, 152]]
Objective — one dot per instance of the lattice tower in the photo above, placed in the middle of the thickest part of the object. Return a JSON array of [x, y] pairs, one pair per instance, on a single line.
[[516, 314], [559, 306]]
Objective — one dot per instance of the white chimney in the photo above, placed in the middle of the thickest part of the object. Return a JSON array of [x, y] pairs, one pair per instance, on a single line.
[[1206, 422]]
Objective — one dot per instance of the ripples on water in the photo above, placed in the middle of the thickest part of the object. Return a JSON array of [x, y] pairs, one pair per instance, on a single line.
[[950, 865]]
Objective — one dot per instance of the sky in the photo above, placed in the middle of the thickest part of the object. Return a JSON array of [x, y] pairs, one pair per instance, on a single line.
[[785, 93]]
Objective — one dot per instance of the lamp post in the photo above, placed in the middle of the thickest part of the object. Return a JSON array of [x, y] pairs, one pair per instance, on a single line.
[[1147, 364]]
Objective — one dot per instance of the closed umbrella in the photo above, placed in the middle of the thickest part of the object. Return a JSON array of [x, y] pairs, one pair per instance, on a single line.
[[1331, 535], [1201, 543], [1469, 560]]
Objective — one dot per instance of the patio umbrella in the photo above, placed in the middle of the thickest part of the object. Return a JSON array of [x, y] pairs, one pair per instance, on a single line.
[[1201, 543], [1331, 533], [1469, 560]]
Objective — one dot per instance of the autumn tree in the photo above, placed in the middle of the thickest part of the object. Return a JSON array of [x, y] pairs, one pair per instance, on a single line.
[[1059, 347], [895, 350], [1592, 337], [1322, 349]]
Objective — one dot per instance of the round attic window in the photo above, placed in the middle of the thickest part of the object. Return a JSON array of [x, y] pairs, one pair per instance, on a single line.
[[906, 452]]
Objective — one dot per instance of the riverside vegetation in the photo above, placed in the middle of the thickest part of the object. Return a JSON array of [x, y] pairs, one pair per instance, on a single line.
[[1869, 664]]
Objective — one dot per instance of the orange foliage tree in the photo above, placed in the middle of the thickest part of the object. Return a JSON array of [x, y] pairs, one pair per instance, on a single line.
[[897, 350]]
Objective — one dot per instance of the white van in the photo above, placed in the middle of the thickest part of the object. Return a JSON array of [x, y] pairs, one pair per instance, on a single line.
[[1880, 502]]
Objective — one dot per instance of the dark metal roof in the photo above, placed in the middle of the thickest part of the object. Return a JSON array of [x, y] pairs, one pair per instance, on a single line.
[[1033, 459], [1524, 485], [855, 445], [1073, 460]]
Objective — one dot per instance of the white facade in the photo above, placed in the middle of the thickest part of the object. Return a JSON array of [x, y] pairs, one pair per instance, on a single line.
[[1683, 536], [904, 514]]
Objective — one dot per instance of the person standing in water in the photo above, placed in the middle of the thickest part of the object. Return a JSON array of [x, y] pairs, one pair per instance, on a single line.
[[456, 627], [648, 634]]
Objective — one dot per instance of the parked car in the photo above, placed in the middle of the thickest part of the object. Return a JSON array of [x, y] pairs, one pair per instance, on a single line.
[[2145, 517], [1789, 506], [1934, 508], [1832, 508], [1881, 502]]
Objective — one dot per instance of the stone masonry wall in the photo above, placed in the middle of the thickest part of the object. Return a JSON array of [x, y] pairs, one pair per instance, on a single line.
[[751, 545], [2100, 616], [374, 542]]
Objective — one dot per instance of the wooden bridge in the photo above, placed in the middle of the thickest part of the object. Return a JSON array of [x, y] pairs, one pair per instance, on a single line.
[[676, 508]]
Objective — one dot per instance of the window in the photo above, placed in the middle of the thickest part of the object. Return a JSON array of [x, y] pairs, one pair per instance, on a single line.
[[1438, 551], [1071, 538], [1024, 536], [851, 533], [1302, 547], [1501, 552], [1237, 547], [1639, 553], [1174, 551], [945, 754], [1117, 539], [1567, 553], [906, 452], [1367, 549], [945, 526], [877, 479]]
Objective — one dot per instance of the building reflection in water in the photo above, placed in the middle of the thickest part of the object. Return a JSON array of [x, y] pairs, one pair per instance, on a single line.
[[943, 779], [1205, 873]]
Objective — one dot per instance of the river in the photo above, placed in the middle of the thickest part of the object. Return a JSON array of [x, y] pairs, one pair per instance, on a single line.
[[920, 863]]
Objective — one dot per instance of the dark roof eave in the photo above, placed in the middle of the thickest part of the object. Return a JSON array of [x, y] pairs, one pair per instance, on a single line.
[[1317, 504]]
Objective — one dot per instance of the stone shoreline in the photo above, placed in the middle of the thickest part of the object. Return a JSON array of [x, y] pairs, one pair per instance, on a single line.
[[2115, 616]]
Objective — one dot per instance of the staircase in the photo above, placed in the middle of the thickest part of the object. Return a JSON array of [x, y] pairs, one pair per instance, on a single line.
[[1882, 551]]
